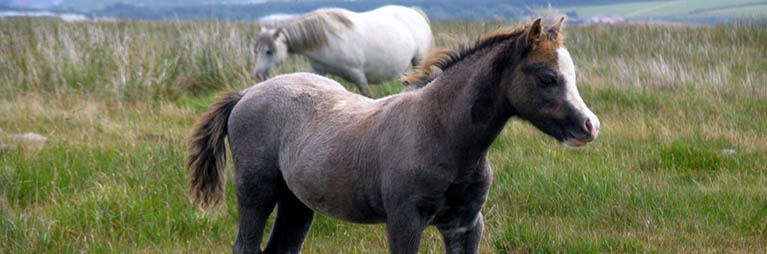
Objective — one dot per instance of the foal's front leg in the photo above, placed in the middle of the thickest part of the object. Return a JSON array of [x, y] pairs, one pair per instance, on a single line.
[[404, 229], [463, 238]]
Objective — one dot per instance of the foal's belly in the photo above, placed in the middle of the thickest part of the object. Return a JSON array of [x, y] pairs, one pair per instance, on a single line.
[[337, 197]]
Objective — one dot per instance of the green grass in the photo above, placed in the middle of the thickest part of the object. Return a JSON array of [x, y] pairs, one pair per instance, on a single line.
[[679, 166]]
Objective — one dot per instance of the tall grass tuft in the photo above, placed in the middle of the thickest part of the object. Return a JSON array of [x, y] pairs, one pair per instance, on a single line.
[[123, 60]]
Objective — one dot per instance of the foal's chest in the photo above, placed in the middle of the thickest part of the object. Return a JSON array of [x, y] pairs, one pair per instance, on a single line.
[[464, 198]]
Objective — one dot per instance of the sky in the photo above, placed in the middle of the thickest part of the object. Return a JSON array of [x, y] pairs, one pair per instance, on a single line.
[[39, 4]]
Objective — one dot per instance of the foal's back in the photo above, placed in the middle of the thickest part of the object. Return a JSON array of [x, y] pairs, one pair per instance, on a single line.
[[301, 95]]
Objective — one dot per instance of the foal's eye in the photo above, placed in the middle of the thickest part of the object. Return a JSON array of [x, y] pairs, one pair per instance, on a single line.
[[548, 79], [269, 52]]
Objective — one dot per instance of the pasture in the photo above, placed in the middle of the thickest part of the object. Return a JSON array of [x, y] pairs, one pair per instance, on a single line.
[[680, 165]]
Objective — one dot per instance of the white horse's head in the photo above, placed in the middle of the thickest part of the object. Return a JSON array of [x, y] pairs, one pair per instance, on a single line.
[[271, 51]]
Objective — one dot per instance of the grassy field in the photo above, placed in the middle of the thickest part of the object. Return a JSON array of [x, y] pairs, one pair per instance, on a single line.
[[679, 9], [680, 165]]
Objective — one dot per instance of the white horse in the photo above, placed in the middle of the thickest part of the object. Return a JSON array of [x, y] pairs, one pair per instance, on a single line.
[[362, 47]]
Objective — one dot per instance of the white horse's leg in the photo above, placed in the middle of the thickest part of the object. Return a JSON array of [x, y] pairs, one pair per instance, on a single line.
[[359, 79], [316, 68]]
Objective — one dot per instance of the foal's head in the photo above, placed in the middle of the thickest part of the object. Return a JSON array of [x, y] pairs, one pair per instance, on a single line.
[[271, 51], [541, 86], [533, 72]]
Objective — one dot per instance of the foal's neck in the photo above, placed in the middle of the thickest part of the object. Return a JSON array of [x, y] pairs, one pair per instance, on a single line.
[[471, 105]]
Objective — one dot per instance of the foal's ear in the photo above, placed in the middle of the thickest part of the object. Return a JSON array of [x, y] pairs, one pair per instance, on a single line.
[[533, 35], [555, 30]]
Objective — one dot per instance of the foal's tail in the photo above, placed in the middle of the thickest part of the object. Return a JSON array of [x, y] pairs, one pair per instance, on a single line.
[[207, 160]]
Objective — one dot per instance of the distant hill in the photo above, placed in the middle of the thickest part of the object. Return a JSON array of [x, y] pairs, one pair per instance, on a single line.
[[36, 4], [91, 5]]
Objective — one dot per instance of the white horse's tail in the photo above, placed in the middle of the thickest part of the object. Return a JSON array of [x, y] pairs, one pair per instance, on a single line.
[[423, 14]]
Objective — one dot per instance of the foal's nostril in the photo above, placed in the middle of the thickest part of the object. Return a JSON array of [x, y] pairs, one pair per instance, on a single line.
[[589, 126]]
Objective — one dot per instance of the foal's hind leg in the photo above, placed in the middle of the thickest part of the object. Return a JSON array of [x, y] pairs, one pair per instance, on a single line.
[[256, 190], [291, 226]]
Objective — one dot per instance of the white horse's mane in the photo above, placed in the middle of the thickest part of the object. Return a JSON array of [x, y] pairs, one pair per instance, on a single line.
[[309, 31]]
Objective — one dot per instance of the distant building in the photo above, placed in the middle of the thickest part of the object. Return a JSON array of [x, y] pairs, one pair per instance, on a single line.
[[277, 18], [609, 19]]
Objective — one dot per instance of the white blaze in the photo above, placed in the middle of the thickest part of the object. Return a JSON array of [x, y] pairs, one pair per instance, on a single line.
[[567, 68]]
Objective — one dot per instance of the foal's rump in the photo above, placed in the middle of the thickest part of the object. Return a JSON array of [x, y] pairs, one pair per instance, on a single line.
[[274, 110]]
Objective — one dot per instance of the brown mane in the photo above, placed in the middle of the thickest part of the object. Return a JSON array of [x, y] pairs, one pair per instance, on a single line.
[[443, 59]]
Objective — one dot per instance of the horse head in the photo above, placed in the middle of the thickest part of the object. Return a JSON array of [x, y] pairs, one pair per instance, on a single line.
[[541, 87], [271, 51]]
